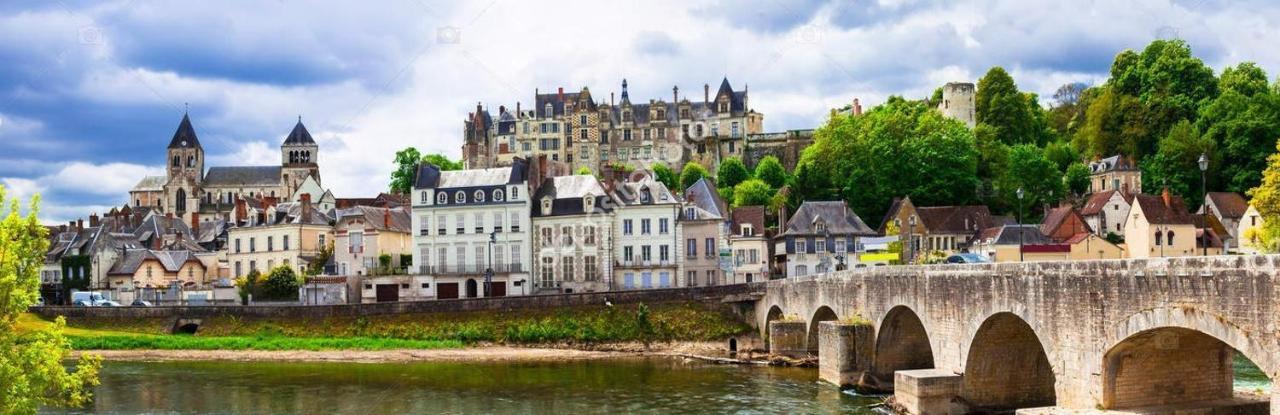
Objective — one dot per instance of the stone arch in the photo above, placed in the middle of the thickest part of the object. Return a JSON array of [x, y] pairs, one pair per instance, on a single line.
[[775, 313], [823, 313], [902, 343], [1176, 355], [1007, 366]]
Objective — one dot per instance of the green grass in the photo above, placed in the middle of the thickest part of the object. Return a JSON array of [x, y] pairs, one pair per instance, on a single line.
[[188, 342]]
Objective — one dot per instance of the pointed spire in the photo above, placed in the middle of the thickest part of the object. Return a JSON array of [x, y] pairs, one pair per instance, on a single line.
[[299, 135], [185, 136], [625, 96]]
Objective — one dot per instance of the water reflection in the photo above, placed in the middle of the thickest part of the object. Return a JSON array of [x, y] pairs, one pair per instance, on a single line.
[[582, 387]]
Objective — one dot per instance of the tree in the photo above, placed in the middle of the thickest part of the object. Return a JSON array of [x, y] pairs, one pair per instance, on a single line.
[[770, 170], [1244, 127], [663, 174], [443, 162], [1061, 154], [1176, 164], [583, 171], [810, 184], [1000, 105], [32, 373], [1077, 179], [281, 284], [248, 285], [1245, 79], [690, 174], [1036, 175], [731, 172], [406, 168], [751, 193], [1266, 198], [317, 264]]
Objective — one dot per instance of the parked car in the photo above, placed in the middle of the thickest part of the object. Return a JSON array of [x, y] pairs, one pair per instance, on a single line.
[[89, 299], [108, 303], [967, 258], [140, 303]]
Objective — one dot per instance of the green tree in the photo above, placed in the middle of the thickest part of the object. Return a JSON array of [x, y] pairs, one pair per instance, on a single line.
[[32, 371], [1061, 154], [690, 174], [1244, 127], [663, 174], [1077, 178], [1115, 123], [281, 284], [442, 161], [770, 170], [752, 192], [1176, 164], [1000, 105], [248, 285], [583, 171], [1266, 198], [731, 172], [406, 168], [1245, 79], [317, 264], [1029, 170], [810, 184]]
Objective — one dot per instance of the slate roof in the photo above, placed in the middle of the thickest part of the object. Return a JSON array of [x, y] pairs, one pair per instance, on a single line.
[[1098, 201], [1230, 205], [646, 191], [299, 135], [382, 219], [185, 136], [1008, 235], [567, 193], [1113, 163], [150, 184], [705, 196], [955, 219], [171, 261], [237, 176], [753, 215], [1158, 213], [839, 220], [430, 176]]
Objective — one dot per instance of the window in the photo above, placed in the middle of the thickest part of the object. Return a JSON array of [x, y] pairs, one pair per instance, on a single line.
[[589, 271], [712, 277], [626, 226], [320, 239], [515, 220], [840, 245], [424, 225], [237, 249], [582, 120], [566, 264], [546, 235], [459, 197], [626, 135], [691, 277], [646, 253], [589, 235], [253, 245], [238, 273], [1158, 238], [426, 197], [271, 243], [753, 256], [664, 253], [479, 222], [481, 260], [748, 230], [690, 213], [566, 236], [733, 129], [1169, 238], [478, 196], [356, 242], [441, 226], [627, 252], [497, 222], [645, 227], [461, 253], [499, 257], [285, 242], [711, 247], [662, 226], [801, 270], [691, 248], [442, 258], [548, 271], [821, 245], [515, 194], [459, 226], [819, 227], [442, 199], [497, 195]]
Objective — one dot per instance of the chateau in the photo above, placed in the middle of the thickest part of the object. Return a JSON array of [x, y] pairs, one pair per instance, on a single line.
[[190, 192]]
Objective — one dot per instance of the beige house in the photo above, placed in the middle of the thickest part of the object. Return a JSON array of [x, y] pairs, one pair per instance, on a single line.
[[362, 234], [749, 243], [144, 268], [1091, 246], [1159, 226], [288, 234], [1107, 211], [1249, 240], [1115, 173], [1236, 215]]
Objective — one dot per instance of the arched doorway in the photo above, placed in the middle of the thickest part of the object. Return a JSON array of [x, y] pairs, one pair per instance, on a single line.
[[901, 344], [1007, 367], [1172, 366], [472, 289], [823, 313]]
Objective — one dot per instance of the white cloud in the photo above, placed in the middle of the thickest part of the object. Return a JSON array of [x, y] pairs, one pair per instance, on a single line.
[[20, 189], [111, 179]]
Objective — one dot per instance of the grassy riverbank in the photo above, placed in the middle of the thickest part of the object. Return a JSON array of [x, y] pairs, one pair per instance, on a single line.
[[594, 325]]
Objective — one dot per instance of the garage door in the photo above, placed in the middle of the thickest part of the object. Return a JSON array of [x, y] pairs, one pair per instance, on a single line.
[[388, 293], [446, 290], [498, 289]]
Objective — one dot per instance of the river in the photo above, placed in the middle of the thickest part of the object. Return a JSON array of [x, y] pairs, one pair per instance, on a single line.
[[634, 385]]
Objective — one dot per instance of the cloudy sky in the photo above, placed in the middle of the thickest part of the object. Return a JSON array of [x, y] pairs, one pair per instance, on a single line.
[[91, 91]]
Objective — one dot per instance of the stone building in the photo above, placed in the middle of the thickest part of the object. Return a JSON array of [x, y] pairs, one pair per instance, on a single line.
[[362, 234], [822, 237], [647, 235], [189, 191], [944, 230], [958, 102], [572, 235], [749, 241], [704, 223], [1115, 173], [270, 234], [1107, 211], [1160, 226]]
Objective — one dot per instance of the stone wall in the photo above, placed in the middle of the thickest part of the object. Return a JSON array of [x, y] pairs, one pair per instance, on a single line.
[[1074, 313], [714, 294]]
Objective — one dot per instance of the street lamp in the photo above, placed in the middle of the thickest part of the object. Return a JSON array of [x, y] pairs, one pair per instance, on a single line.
[[911, 238], [488, 273], [1204, 204], [1021, 235]]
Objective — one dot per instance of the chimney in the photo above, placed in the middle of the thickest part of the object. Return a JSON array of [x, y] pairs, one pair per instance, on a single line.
[[93, 220], [386, 218], [241, 211], [518, 113], [857, 107], [79, 224], [1168, 199], [71, 225], [306, 207], [560, 94], [610, 99], [195, 225], [675, 94], [502, 109], [706, 93]]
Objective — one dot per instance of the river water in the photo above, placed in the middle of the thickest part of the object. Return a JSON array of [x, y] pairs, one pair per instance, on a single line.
[[615, 386]]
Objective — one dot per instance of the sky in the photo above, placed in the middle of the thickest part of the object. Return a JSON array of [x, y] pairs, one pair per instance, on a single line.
[[92, 91]]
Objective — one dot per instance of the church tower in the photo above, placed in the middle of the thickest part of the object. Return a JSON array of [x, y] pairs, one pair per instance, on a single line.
[[184, 172], [298, 155]]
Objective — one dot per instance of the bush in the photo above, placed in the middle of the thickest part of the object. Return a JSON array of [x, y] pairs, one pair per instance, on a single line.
[[281, 284]]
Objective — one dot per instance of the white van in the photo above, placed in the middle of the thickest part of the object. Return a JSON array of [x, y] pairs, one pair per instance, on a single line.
[[91, 299]]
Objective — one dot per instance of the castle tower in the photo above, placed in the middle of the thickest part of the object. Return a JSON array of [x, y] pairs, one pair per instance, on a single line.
[[184, 171], [298, 156], [957, 102]]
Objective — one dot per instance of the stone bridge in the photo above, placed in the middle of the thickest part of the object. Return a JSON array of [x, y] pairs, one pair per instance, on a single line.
[[1149, 336]]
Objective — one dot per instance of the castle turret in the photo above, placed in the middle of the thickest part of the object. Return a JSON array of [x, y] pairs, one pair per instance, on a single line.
[[957, 102]]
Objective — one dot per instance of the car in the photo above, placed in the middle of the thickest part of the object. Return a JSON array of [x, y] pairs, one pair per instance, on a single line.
[[967, 258], [140, 303], [80, 303], [108, 303]]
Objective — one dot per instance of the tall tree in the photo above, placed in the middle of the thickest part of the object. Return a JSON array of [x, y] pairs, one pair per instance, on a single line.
[[442, 161], [1176, 164], [32, 371], [1244, 127], [1245, 79], [406, 167], [752, 192], [1029, 170], [731, 172], [1077, 179], [690, 174], [999, 104], [1266, 198], [770, 170], [663, 174]]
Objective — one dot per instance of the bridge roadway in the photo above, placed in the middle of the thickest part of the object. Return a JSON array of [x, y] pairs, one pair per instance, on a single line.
[[1152, 334]]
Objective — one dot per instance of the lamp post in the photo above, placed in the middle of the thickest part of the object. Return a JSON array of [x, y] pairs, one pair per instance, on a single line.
[[911, 238], [1021, 234], [488, 273], [1204, 204]]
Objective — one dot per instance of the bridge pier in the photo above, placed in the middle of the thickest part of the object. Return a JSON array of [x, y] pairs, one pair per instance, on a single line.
[[927, 391], [787, 338], [845, 352]]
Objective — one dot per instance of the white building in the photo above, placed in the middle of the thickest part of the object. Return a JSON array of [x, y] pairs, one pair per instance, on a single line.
[[648, 236], [572, 235], [1107, 211], [822, 237], [469, 221]]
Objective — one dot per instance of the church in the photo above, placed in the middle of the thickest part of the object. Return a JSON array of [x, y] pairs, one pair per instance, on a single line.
[[190, 192]]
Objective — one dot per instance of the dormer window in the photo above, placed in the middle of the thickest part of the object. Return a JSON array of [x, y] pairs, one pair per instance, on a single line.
[[690, 213], [441, 198], [644, 195], [588, 203], [497, 195], [478, 196], [515, 193], [549, 113], [546, 206], [819, 227], [459, 197], [748, 230], [426, 197], [626, 115]]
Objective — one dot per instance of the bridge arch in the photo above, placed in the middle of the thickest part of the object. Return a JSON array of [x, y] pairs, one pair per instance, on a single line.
[[1176, 356], [823, 313], [774, 314], [1007, 366], [902, 343]]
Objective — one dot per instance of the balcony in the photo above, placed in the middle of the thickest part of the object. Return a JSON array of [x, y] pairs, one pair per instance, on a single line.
[[641, 264], [469, 269]]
